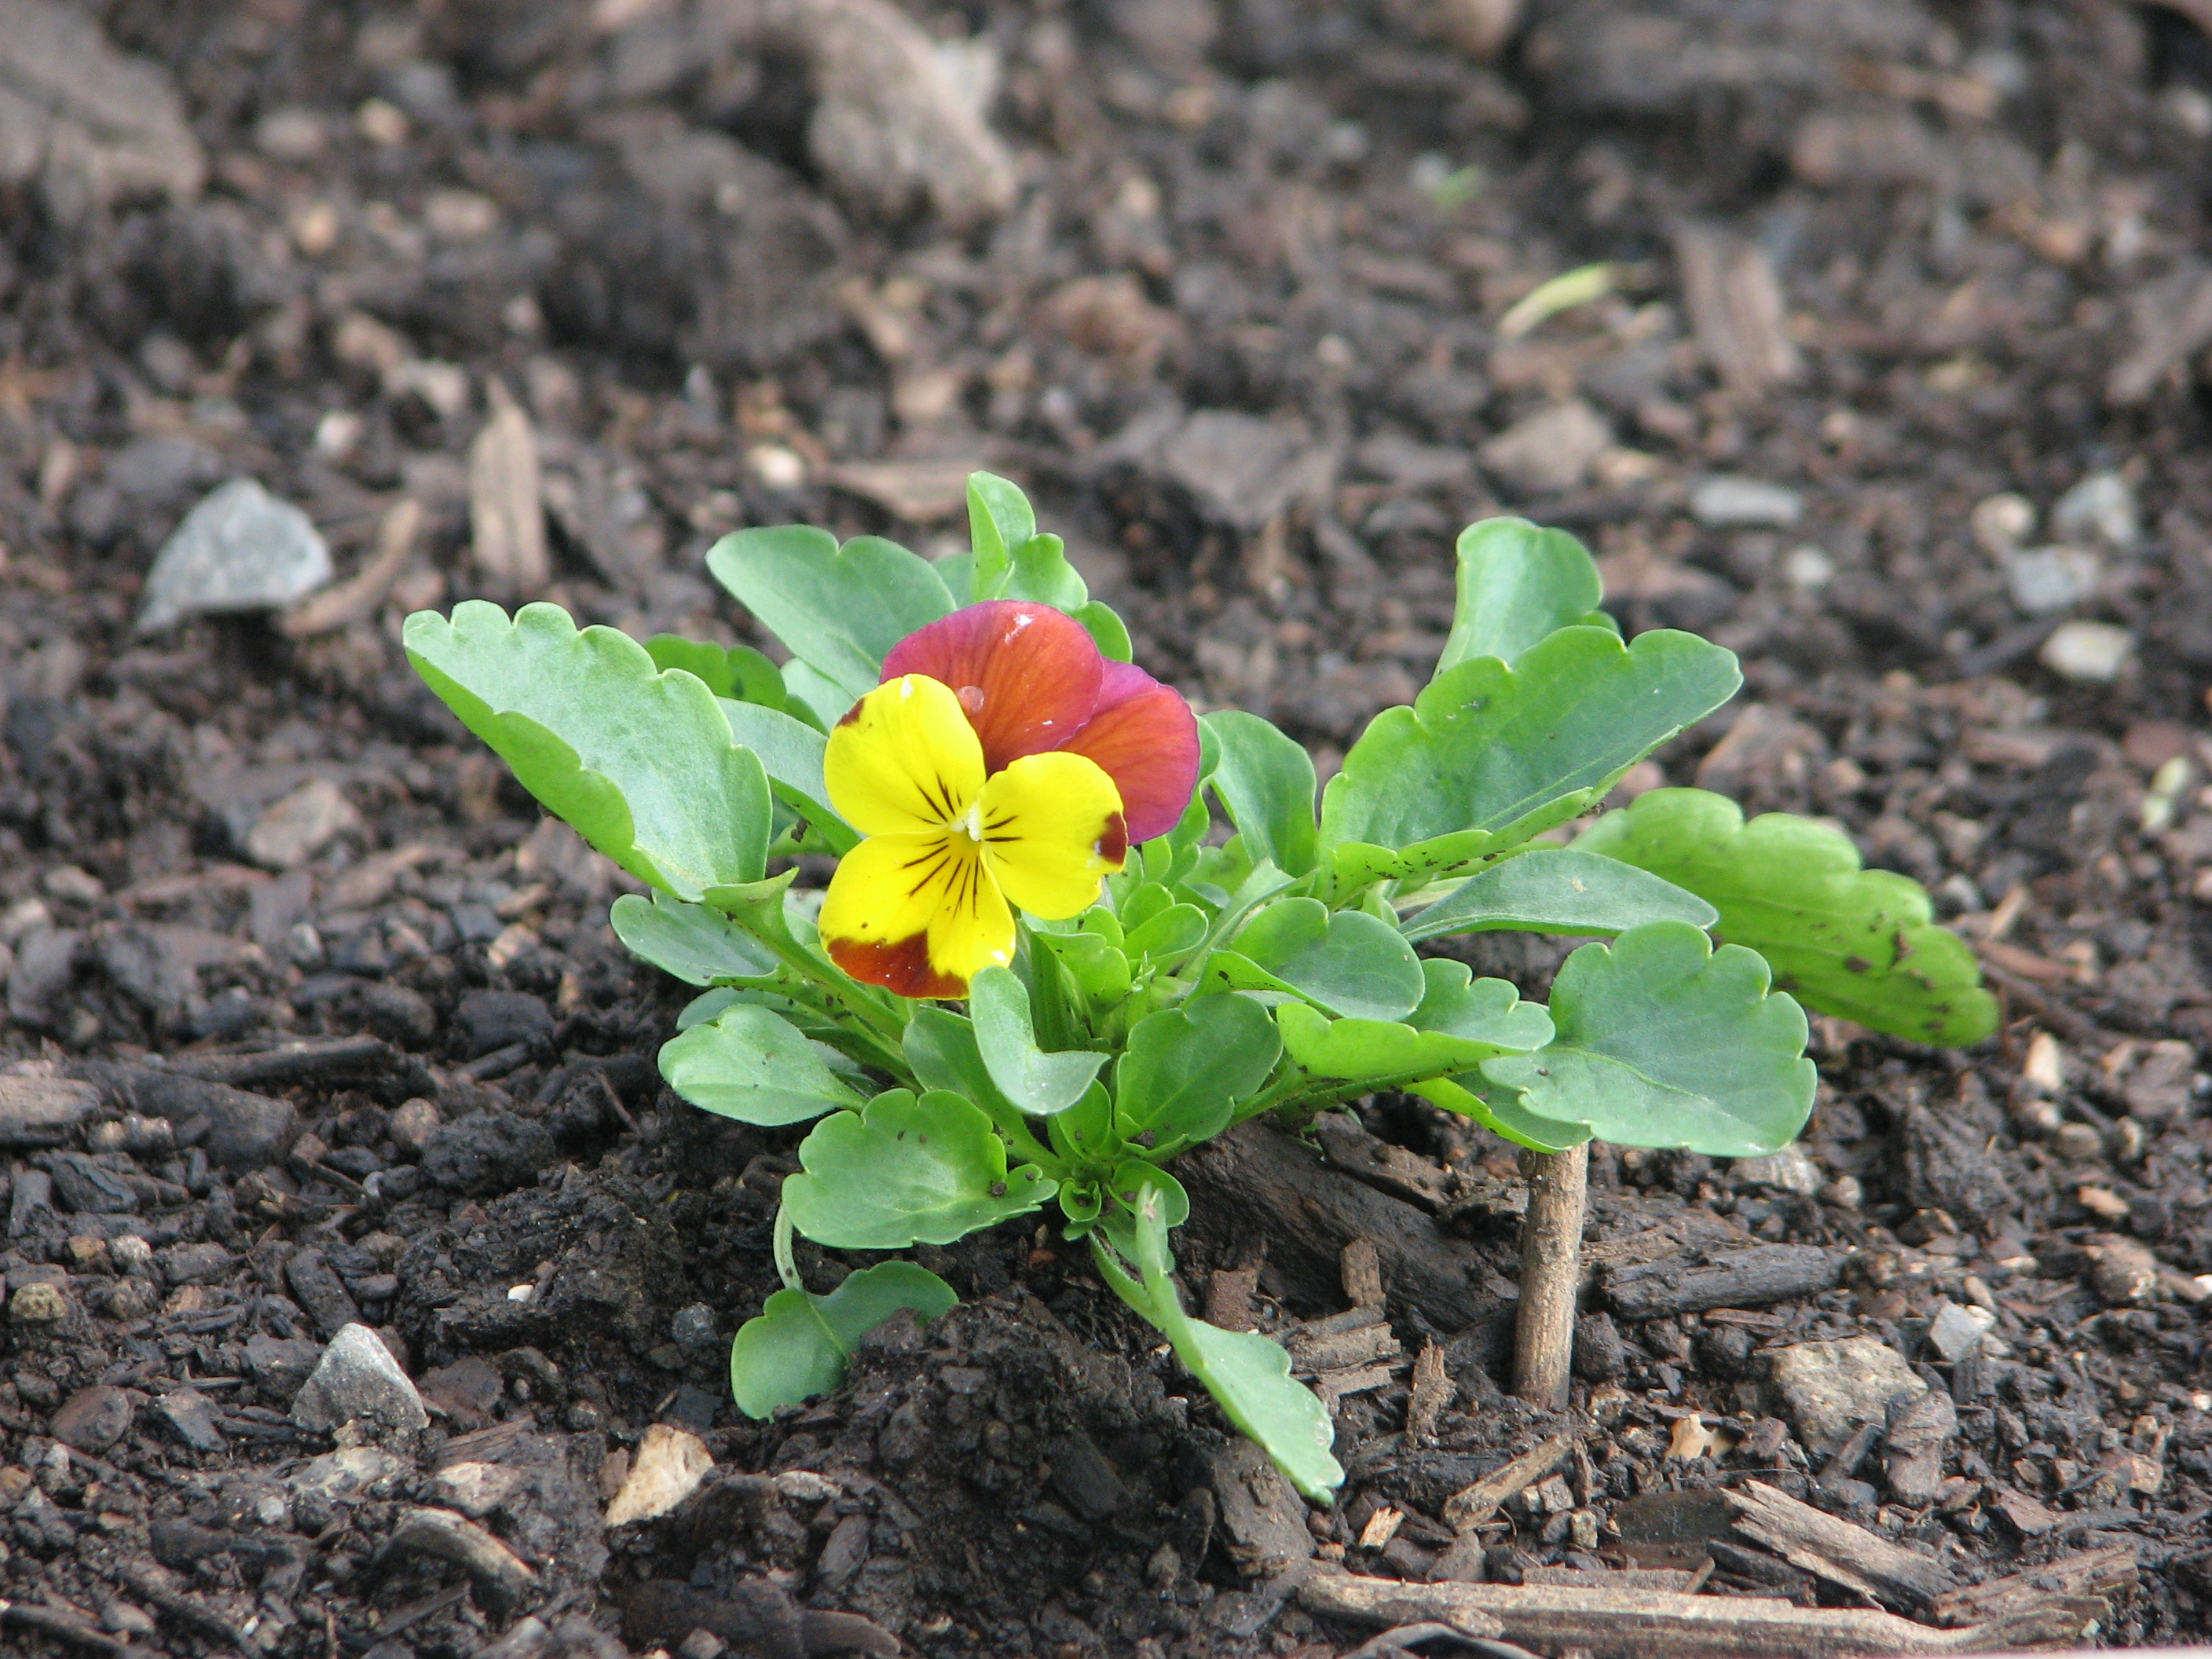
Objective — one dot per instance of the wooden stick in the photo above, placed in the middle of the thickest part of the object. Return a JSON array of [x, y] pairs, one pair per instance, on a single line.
[[1617, 1623], [1551, 1274]]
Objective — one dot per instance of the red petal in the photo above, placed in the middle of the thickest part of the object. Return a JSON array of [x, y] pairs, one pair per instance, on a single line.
[[1036, 668], [1145, 738]]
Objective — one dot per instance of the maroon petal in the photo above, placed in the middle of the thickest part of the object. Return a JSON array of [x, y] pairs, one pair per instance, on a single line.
[[1146, 738], [1028, 674]]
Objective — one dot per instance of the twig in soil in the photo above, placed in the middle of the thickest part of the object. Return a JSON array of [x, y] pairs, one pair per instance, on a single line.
[[1835, 1549], [69, 1626], [184, 1609], [1621, 1623], [1551, 1274], [1466, 1509]]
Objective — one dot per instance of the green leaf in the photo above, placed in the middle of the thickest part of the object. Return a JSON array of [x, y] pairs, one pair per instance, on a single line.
[[1248, 1374], [1458, 1026], [796, 1347], [1085, 1134], [1510, 751], [1267, 782], [1043, 575], [840, 610], [699, 946], [1185, 1068], [737, 672], [641, 762], [1664, 1041], [1456, 1004], [791, 753], [1178, 928], [1039, 1082], [1348, 963], [907, 1171], [1518, 584], [1098, 967], [1000, 520], [1106, 628], [940, 1047], [1555, 889], [753, 1065], [1856, 944], [1500, 1110]]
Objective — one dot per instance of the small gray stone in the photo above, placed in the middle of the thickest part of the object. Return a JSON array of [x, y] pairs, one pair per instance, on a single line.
[[1829, 1389], [1958, 1332], [240, 549], [292, 830], [1790, 1169], [695, 1328], [348, 1470], [2088, 653], [190, 1415], [2045, 580], [358, 1378], [1723, 502], [2102, 505], [146, 963]]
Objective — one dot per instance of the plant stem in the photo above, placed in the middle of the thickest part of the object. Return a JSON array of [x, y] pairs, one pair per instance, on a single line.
[[1551, 1274]]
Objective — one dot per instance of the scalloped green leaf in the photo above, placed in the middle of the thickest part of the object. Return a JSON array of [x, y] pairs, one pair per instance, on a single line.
[[1248, 1374], [838, 610], [639, 761], [1039, 1082], [1458, 1026], [754, 1066], [698, 946], [1857, 944], [1509, 752], [737, 672], [1267, 782], [1554, 890], [1186, 1068], [1347, 963], [1517, 585], [908, 1170], [1664, 1041], [797, 1346], [1000, 520]]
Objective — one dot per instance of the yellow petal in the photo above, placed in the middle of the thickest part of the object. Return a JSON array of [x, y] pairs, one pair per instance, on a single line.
[[904, 760], [916, 913], [1052, 829]]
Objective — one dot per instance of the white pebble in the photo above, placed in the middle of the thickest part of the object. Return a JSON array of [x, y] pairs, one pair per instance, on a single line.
[[2102, 505], [2088, 653], [1728, 503]]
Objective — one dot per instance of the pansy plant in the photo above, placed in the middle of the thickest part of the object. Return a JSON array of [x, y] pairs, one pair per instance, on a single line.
[[1041, 969]]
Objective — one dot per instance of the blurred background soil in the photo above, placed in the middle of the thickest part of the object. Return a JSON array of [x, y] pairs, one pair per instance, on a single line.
[[1895, 377]]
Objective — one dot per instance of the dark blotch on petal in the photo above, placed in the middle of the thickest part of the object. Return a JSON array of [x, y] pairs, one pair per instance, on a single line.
[[1114, 842], [901, 966]]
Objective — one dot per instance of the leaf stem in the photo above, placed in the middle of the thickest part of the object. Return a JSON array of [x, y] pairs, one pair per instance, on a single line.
[[786, 1264]]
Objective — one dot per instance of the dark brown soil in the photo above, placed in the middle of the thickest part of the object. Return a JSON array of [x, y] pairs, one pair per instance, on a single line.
[[1238, 326]]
